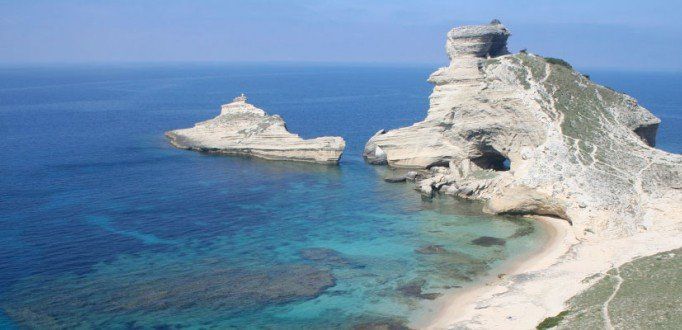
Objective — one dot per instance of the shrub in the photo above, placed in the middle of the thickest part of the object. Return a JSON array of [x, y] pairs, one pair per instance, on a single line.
[[558, 61], [552, 321]]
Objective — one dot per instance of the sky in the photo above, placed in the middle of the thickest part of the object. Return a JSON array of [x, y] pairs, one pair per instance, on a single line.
[[623, 34]]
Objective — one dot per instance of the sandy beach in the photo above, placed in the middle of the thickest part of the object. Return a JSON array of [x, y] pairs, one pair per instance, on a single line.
[[537, 286]]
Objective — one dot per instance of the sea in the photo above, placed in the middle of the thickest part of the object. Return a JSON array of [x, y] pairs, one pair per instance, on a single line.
[[104, 225]]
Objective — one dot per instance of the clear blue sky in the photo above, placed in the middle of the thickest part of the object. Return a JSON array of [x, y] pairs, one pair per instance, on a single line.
[[639, 35]]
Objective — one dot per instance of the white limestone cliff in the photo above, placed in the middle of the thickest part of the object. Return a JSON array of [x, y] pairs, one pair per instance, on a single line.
[[530, 135], [242, 129]]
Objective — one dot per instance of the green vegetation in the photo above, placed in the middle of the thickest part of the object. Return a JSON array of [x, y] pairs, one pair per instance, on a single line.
[[643, 294], [558, 61], [651, 293], [520, 72], [492, 61], [537, 68], [552, 321], [588, 113], [591, 278], [585, 108], [587, 306]]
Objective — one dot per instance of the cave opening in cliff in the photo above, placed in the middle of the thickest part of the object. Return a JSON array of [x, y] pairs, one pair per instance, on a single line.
[[492, 160], [648, 133]]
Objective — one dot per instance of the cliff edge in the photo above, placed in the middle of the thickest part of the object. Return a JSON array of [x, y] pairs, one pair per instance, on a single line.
[[242, 129], [530, 135]]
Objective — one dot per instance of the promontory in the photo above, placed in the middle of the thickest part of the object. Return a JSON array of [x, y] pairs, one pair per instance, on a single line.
[[530, 135], [245, 130]]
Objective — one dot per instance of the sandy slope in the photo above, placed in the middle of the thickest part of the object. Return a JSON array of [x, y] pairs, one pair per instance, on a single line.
[[538, 287]]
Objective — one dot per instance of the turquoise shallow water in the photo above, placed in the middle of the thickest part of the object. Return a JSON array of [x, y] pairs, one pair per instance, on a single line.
[[103, 224]]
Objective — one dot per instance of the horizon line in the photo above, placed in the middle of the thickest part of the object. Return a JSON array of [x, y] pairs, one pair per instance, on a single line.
[[35, 64]]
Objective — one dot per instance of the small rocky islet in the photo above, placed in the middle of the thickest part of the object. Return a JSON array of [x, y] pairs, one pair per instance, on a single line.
[[245, 130]]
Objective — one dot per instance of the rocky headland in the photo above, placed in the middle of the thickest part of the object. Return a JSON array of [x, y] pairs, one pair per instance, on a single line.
[[529, 135], [245, 130]]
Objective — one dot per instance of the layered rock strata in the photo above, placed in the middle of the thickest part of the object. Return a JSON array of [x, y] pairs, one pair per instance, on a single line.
[[242, 129], [530, 135]]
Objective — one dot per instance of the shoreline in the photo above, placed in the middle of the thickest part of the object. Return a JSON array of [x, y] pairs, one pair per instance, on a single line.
[[537, 285], [556, 230]]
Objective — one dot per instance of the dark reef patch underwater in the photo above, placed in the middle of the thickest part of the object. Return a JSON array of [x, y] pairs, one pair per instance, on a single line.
[[103, 224]]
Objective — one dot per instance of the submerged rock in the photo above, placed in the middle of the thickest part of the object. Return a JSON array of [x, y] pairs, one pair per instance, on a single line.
[[382, 325], [489, 241], [414, 289], [70, 301], [454, 264], [242, 129], [374, 322], [324, 256], [329, 257], [395, 178], [530, 135], [524, 230], [431, 249]]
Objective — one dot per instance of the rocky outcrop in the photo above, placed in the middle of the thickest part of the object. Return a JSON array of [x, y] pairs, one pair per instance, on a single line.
[[242, 129], [530, 135]]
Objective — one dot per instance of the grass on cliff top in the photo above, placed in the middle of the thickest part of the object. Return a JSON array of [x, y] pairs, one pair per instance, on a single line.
[[558, 61], [585, 107], [588, 110], [649, 297]]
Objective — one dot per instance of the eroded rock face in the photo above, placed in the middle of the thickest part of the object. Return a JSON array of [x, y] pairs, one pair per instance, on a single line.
[[243, 129], [477, 40], [533, 136]]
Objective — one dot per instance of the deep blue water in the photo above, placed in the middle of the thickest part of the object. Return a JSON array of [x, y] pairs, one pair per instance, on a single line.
[[103, 224]]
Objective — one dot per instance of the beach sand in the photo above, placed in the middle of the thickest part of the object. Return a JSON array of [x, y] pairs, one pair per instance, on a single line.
[[538, 285]]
